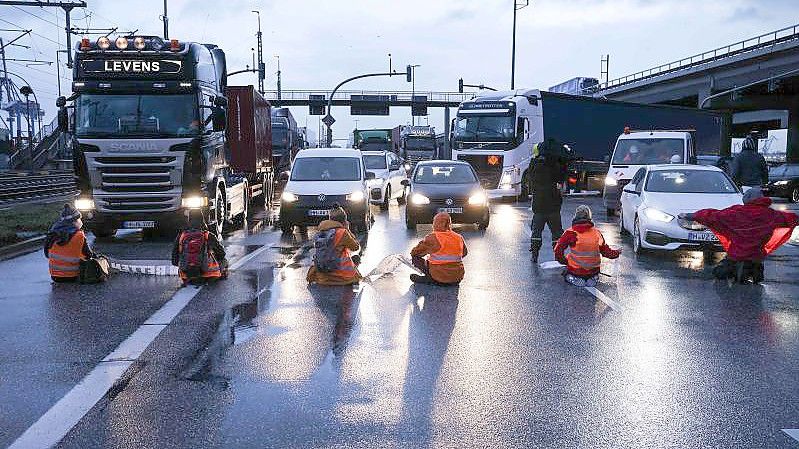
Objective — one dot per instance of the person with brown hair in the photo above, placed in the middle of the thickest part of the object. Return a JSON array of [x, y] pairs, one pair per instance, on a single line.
[[445, 250]]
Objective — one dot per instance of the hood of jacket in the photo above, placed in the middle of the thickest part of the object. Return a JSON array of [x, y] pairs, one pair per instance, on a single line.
[[582, 225], [326, 225]]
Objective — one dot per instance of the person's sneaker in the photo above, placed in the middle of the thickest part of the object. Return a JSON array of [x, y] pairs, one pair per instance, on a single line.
[[416, 278]]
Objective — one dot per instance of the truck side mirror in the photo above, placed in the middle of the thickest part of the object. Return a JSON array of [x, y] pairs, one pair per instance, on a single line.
[[61, 102], [606, 158], [219, 119]]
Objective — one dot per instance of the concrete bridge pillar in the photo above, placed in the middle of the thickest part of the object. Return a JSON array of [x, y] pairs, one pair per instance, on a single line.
[[793, 133]]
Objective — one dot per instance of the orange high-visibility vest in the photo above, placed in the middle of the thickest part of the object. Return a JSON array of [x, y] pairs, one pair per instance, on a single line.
[[65, 259], [212, 270], [451, 250], [585, 255], [346, 267]]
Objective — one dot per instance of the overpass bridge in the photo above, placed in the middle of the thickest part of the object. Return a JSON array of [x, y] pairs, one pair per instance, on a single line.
[[757, 79], [344, 97]]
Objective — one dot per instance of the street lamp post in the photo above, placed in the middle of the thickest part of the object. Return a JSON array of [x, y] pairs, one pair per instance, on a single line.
[[413, 90], [261, 68], [278, 80], [516, 6], [27, 91]]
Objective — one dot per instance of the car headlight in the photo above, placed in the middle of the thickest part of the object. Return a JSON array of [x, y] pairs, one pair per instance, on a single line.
[[781, 183], [84, 204], [356, 196], [194, 202], [657, 215], [288, 197], [419, 199], [478, 199], [611, 181]]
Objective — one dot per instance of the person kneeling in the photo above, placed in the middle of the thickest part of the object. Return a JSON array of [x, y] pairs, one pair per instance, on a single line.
[[197, 253], [66, 246], [445, 249], [581, 248], [333, 262], [748, 233]]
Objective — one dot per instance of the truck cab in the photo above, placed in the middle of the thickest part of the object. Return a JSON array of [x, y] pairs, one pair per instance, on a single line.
[[636, 149]]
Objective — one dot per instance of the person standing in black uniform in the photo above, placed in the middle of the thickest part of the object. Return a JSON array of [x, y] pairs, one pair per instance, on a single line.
[[547, 172]]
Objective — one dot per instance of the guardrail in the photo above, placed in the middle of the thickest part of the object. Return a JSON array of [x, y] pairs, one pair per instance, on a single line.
[[763, 41], [44, 141]]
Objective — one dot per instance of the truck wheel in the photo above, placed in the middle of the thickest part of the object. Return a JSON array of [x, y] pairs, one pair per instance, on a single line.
[[386, 199], [241, 219], [219, 213]]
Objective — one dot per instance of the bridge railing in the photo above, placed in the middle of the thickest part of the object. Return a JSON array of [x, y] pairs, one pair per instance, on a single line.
[[763, 41], [451, 97]]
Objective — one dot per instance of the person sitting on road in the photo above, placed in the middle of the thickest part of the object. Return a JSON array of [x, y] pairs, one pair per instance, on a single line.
[[197, 252], [333, 262], [748, 233], [445, 249], [66, 246], [581, 248]]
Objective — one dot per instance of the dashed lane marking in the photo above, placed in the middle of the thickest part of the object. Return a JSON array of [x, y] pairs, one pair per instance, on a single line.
[[793, 433]]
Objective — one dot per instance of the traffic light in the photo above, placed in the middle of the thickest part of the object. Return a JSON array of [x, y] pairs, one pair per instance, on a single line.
[[460, 85], [408, 73]]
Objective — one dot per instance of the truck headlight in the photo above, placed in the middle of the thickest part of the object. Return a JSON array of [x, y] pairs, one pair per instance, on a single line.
[[781, 183], [194, 202], [288, 197], [356, 196], [478, 199], [657, 215], [84, 204], [419, 199], [611, 181]]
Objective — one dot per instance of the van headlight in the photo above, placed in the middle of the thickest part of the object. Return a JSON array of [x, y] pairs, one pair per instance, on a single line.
[[419, 199], [356, 196], [194, 202], [84, 204], [288, 197], [657, 215], [611, 181], [478, 199]]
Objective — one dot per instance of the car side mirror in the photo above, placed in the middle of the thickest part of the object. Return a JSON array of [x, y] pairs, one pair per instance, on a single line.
[[406, 182], [370, 175]]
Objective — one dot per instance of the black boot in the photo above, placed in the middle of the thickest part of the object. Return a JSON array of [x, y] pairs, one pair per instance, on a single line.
[[535, 247]]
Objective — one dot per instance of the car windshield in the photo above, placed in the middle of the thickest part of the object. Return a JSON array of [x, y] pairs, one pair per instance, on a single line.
[[136, 116], [648, 151], [418, 143], [484, 128], [326, 169], [374, 162], [689, 181], [444, 174]]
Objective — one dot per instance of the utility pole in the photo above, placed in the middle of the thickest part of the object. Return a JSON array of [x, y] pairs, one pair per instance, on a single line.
[[58, 68], [261, 67], [279, 89], [516, 6], [165, 19]]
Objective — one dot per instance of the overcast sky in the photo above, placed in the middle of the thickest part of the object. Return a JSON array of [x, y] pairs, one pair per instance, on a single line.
[[321, 42]]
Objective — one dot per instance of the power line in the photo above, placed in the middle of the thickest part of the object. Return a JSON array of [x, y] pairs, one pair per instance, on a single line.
[[32, 32], [38, 17]]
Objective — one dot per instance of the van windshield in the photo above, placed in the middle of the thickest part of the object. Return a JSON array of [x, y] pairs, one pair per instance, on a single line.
[[326, 169], [648, 151]]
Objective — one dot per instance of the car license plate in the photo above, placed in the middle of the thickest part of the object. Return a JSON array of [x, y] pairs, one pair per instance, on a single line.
[[138, 224], [451, 210], [318, 213], [702, 237]]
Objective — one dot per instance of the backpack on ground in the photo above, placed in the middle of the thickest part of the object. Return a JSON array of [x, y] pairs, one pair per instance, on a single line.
[[325, 258], [194, 253], [94, 270]]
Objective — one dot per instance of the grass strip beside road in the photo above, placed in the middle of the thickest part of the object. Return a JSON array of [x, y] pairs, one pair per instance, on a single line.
[[25, 221]]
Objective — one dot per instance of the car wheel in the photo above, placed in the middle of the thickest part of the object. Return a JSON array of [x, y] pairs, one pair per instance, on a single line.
[[638, 248], [795, 195], [610, 211], [483, 224], [622, 231], [410, 222], [386, 199]]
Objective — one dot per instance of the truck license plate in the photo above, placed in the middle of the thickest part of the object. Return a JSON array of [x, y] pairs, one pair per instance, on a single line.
[[451, 210], [138, 224], [318, 213], [702, 237]]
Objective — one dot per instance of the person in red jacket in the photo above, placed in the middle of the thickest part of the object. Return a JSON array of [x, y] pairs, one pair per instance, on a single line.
[[748, 233], [581, 248]]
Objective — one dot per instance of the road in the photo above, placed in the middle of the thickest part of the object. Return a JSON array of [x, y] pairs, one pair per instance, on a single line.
[[660, 355]]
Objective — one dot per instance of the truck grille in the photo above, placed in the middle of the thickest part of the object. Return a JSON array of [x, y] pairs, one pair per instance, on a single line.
[[136, 184], [489, 174]]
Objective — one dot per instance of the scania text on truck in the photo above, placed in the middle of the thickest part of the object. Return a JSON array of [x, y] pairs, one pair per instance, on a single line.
[[497, 132], [149, 134]]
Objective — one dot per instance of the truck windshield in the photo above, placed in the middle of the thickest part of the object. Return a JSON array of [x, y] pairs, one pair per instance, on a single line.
[[280, 139], [373, 162], [136, 116], [484, 128], [326, 169], [420, 143], [648, 151], [689, 181]]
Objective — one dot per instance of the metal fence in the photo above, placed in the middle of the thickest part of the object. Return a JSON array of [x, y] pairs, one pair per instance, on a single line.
[[304, 95]]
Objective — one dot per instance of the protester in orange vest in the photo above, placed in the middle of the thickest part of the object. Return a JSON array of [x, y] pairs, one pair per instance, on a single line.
[[66, 246], [197, 253], [581, 248], [334, 263], [445, 250]]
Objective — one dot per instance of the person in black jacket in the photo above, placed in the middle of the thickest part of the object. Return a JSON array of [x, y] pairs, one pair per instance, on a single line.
[[547, 172], [749, 167]]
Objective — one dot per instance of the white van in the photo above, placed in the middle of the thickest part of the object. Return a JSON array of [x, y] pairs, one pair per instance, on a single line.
[[636, 149], [320, 179]]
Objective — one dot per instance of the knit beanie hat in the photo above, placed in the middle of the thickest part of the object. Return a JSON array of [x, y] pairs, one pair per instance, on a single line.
[[752, 194], [338, 214], [583, 212], [70, 213]]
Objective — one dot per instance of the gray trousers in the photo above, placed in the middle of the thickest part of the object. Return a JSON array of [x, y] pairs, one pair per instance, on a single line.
[[541, 219]]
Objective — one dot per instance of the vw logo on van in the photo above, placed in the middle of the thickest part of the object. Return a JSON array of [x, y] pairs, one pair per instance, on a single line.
[[449, 201], [322, 197]]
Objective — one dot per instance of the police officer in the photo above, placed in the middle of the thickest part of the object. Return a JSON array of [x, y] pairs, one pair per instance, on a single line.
[[547, 172]]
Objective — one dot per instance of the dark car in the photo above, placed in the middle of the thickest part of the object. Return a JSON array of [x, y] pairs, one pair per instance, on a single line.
[[783, 181], [446, 186]]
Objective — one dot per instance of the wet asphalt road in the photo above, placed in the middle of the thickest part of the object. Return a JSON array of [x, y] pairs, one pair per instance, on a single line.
[[514, 357]]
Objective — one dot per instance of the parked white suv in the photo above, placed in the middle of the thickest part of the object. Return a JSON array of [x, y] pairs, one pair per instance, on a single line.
[[389, 174]]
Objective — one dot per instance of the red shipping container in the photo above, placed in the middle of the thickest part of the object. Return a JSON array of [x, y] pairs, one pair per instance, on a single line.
[[249, 131]]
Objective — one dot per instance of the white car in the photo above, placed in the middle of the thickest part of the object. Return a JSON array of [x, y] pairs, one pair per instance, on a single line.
[[389, 174], [657, 194]]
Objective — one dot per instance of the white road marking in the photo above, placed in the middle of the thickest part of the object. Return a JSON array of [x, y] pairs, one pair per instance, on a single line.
[[602, 297], [550, 265], [793, 433], [54, 425]]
